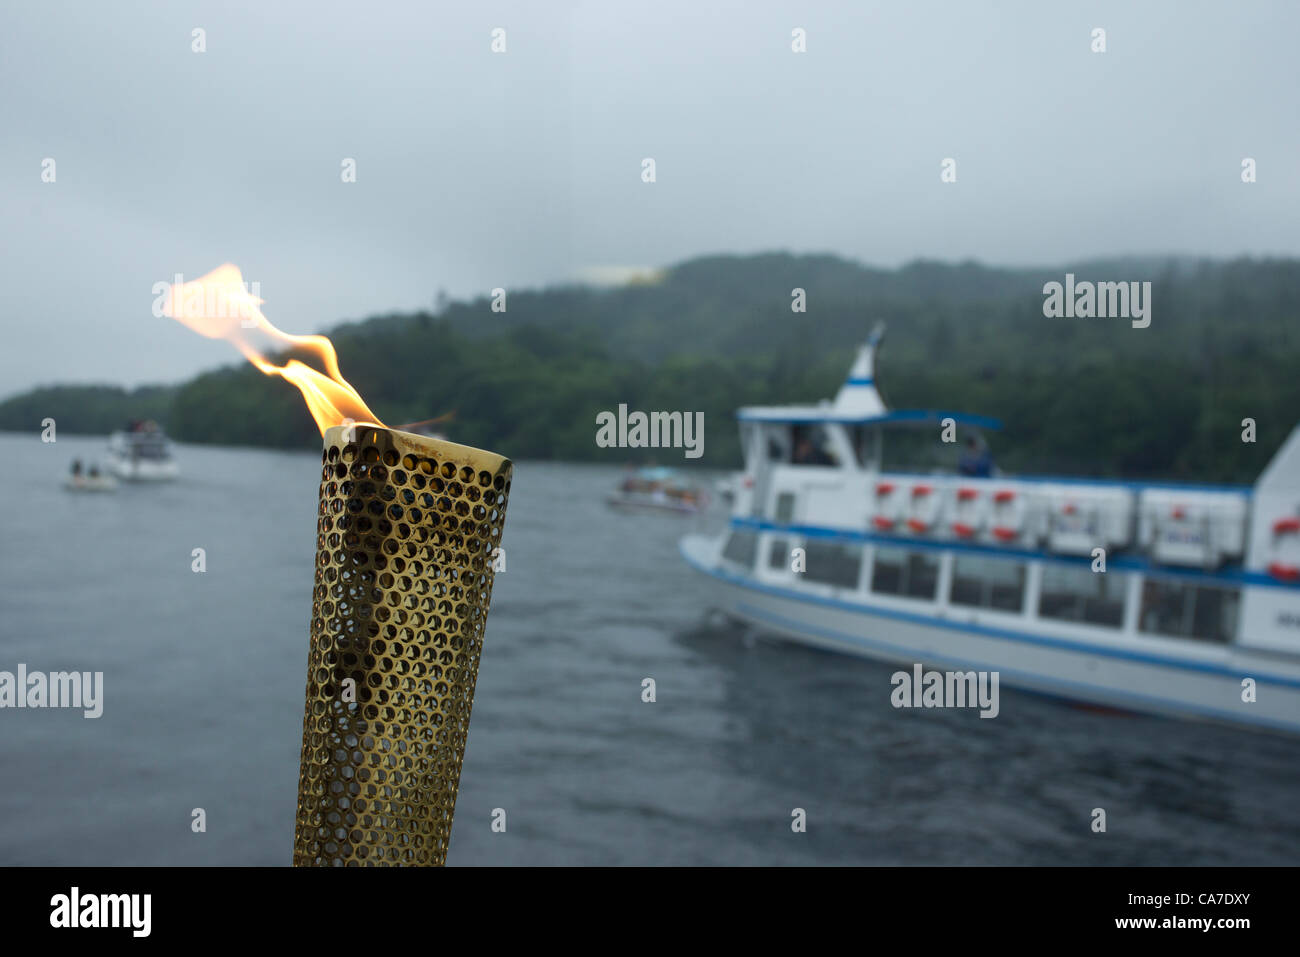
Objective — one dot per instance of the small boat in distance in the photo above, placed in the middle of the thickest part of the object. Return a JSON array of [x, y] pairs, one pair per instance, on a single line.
[[141, 453], [91, 480], [657, 489], [1168, 598]]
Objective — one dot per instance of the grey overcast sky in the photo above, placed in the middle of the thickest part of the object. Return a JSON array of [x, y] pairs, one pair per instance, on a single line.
[[477, 170]]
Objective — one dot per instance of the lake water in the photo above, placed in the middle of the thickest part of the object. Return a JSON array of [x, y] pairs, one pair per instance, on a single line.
[[204, 677]]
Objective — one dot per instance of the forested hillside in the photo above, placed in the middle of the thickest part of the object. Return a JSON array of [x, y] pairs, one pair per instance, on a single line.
[[1092, 396]]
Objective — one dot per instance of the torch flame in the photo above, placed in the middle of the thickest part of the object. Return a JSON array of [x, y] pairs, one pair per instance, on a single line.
[[220, 307]]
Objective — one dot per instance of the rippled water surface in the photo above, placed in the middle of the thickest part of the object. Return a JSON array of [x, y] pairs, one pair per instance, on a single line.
[[204, 677]]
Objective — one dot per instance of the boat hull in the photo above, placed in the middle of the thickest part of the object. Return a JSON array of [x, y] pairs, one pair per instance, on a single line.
[[143, 471], [650, 504], [1073, 669], [88, 484]]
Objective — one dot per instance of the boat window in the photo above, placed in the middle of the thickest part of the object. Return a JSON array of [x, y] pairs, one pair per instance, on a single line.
[[742, 547], [748, 433], [988, 583], [1189, 611], [777, 439], [898, 572], [785, 507], [917, 450], [887, 571], [778, 555], [812, 446], [1077, 593], [865, 444], [145, 446], [1215, 615], [922, 576], [833, 563]]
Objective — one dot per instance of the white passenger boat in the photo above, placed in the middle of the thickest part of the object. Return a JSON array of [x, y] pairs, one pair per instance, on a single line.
[[141, 453], [1196, 614]]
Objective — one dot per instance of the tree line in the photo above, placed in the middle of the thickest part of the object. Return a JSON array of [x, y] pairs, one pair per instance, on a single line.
[[1077, 396]]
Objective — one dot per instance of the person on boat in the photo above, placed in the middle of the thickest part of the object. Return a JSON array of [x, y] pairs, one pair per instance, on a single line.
[[629, 483], [806, 452], [94, 472], [76, 468], [975, 461]]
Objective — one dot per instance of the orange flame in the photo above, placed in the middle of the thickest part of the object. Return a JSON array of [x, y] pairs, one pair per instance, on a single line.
[[218, 306]]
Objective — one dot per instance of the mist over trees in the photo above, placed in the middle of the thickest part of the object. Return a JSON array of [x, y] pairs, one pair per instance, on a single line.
[[1077, 396]]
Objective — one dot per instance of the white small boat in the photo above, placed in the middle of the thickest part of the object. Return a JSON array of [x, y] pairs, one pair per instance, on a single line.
[[90, 483], [1175, 599], [141, 454], [657, 489]]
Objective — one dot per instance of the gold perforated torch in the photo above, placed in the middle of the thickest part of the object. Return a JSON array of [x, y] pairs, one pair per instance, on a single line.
[[407, 531]]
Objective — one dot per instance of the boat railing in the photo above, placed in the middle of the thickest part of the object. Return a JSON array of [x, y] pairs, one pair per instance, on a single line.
[[1189, 527]]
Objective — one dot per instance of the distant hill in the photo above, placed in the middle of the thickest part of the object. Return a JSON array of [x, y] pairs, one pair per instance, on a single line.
[[85, 409], [1082, 396]]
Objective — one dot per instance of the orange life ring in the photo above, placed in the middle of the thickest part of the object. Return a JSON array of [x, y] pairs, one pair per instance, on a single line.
[[918, 522], [971, 512], [1282, 570], [1009, 529], [885, 521]]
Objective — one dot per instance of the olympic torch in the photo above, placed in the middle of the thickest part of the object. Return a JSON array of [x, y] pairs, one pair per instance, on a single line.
[[407, 531]]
